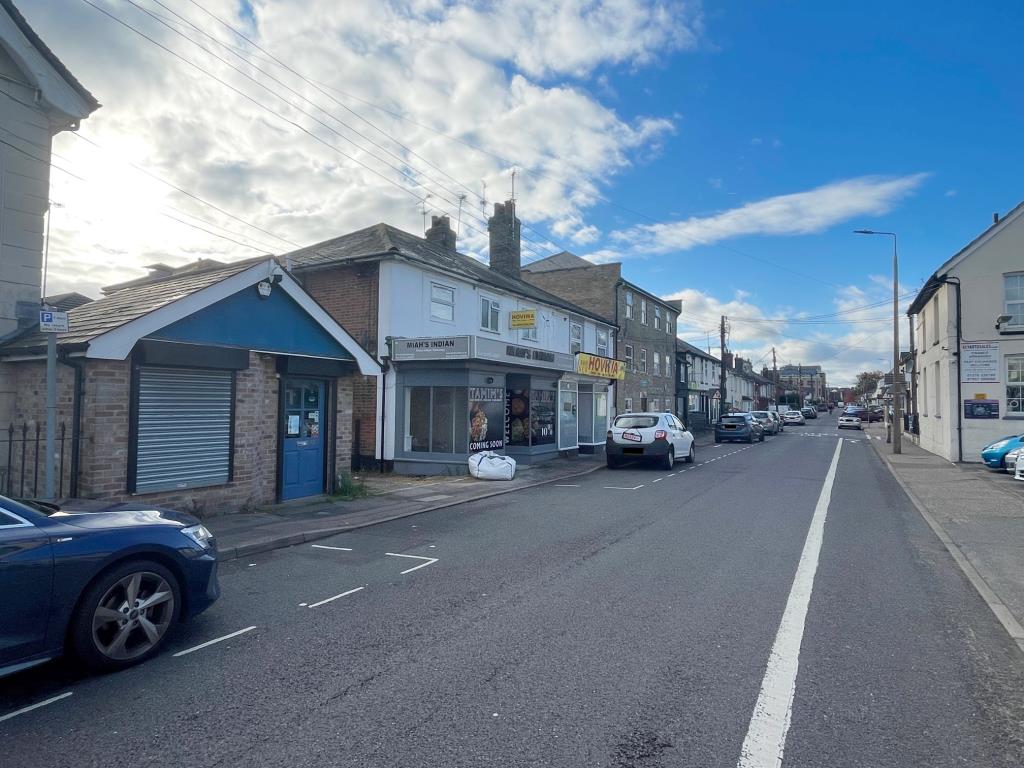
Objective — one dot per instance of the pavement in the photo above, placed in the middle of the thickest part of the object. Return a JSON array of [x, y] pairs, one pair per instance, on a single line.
[[979, 511], [776, 603], [390, 497]]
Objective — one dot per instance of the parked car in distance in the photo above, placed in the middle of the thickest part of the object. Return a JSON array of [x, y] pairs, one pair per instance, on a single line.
[[659, 436], [855, 410], [876, 414], [778, 420], [794, 417], [822, 407], [104, 586], [767, 423], [849, 421], [738, 426], [809, 412], [994, 454]]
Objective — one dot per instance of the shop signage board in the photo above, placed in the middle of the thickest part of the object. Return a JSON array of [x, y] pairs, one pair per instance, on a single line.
[[981, 409], [603, 367], [486, 419], [522, 319], [979, 361], [433, 348], [515, 354]]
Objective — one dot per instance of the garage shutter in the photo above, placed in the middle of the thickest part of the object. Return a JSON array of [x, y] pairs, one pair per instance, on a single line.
[[184, 428]]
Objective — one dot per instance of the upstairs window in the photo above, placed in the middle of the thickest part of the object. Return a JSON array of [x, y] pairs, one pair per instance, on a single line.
[[442, 302], [575, 338], [670, 324], [602, 343], [629, 357], [657, 318], [643, 361], [935, 320], [629, 305], [643, 311], [490, 311], [657, 364], [1013, 298], [529, 334]]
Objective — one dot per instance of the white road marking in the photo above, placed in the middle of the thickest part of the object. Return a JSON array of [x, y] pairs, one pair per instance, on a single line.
[[329, 599], [658, 480], [211, 642], [430, 561], [23, 710], [565, 485], [766, 737], [324, 546], [619, 488]]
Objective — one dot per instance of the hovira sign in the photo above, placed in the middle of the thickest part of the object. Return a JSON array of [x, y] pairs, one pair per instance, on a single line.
[[602, 367]]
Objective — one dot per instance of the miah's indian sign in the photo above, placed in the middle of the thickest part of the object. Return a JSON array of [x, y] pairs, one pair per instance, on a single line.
[[602, 367]]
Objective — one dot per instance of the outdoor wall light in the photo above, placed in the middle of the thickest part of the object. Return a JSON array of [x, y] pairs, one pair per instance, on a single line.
[[490, 379], [1003, 319]]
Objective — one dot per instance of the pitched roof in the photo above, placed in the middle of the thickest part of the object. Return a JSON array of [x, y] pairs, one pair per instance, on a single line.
[[385, 241], [63, 302], [47, 54], [685, 345], [97, 317], [160, 272], [562, 260]]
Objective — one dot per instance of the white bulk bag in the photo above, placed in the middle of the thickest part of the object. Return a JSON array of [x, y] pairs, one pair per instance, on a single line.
[[488, 465]]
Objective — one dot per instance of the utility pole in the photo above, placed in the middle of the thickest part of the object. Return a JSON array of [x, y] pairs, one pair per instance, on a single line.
[[775, 378], [721, 373], [800, 383]]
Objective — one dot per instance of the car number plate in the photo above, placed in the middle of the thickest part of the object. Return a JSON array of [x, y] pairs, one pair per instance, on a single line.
[[632, 436]]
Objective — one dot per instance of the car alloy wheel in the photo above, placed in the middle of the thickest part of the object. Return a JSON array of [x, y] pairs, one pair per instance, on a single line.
[[133, 616], [691, 456], [670, 458]]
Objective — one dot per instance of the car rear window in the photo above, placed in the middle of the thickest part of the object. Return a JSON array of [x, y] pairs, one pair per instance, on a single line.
[[760, 414], [733, 420], [635, 422]]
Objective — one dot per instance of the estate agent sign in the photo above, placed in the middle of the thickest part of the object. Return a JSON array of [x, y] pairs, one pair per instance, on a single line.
[[979, 361]]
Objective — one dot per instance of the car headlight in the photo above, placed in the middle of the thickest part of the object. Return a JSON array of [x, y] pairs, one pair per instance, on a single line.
[[997, 446], [200, 534], [1014, 453]]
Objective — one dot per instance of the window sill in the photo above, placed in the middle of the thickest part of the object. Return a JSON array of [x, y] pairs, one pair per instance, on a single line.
[[488, 330], [1018, 331]]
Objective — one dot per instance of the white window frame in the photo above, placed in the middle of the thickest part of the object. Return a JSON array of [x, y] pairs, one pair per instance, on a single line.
[[1017, 385], [602, 348], [575, 337], [629, 305], [441, 302], [670, 324], [643, 360], [657, 363], [1019, 312], [494, 308], [628, 355], [629, 405], [657, 318], [938, 389], [643, 311], [655, 404]]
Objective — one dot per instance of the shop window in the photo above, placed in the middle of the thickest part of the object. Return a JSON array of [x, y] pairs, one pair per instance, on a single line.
[[602, 343], [490, 311], [542, 416], [643, 360], [629, 305], [1015, 386], [657, 318], [1013, 299], [643, 311], [575, 338], [600, 414], [436, 419], [442, 302], [629, 357]]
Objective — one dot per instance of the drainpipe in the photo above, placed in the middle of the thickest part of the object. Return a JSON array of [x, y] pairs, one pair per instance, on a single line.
[[384, 367], [955, 281], [76, 419]]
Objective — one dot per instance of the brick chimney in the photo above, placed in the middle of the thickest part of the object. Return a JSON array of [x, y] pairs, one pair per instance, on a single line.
[[503, 227], [441, 232]]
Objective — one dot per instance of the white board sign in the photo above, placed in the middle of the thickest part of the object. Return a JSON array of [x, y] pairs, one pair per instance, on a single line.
[[979, 361], [53, 322]]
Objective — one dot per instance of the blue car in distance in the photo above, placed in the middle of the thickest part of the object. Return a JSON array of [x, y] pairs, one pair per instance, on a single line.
[[738, 426], [104, 586], [994, 455]]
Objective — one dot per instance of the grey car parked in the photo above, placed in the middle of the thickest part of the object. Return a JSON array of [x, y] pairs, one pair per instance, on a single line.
[[770, 425]]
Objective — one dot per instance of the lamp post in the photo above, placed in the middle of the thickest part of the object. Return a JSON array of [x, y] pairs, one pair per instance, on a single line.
[[897, 385]]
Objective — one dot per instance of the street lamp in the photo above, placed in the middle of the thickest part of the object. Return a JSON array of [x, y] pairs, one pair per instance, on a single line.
[[897, 385]]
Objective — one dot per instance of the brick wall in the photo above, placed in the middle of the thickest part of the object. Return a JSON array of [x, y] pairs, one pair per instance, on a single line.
[[350, 295], [591, 288]]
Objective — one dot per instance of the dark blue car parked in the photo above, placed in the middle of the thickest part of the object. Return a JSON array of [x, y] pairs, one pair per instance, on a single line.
[[738, 426], [104, 586]]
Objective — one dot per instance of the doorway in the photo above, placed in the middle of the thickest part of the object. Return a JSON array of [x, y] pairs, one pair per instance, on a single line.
[[302, 431]]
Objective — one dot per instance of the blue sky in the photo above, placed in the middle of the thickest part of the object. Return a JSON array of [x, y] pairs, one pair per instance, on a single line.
[[758, 135]]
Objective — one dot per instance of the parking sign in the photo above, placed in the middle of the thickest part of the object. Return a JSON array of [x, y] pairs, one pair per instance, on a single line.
[[53, 322]]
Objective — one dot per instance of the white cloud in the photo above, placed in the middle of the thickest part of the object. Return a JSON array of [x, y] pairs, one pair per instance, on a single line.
[[508, 78], [799, 213]]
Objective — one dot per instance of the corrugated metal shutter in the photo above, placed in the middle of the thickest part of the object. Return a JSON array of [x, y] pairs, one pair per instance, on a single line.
[[184, 428]]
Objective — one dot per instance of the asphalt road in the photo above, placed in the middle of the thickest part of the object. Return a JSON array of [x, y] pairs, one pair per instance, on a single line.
[[627, 618]]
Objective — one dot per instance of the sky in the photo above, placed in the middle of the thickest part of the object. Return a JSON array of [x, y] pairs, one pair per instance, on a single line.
[[722, 151]]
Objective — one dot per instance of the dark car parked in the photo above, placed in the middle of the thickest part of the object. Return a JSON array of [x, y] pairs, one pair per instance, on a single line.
[[104, 586], [738, 426], [809, 412]]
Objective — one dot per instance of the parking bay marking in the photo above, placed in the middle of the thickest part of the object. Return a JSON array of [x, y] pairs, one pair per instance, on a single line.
[[331, 599], [430, 561], [23, 710], [211, 642], [324, 546], [620, 488]]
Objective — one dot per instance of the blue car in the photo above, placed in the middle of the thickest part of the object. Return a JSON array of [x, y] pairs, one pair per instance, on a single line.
[[994, 455], [104, 586], [738, 426]]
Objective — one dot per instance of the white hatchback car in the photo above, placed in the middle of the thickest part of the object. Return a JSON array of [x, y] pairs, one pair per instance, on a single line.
[[793, 417], [846, 421], [658, 436]]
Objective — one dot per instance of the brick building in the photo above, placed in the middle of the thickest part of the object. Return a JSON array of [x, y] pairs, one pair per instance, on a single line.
[[216, 388], [647, 325]]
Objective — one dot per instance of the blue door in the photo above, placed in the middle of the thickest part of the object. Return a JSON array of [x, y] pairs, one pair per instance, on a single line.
[[302, 471]]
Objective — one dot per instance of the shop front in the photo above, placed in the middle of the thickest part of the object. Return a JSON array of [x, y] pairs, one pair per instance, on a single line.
[[459, 395]]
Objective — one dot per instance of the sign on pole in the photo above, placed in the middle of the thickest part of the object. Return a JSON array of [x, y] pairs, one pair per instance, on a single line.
[[53, 322]]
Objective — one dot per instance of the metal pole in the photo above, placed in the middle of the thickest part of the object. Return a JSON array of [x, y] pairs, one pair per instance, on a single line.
[[897, 383], [51, 410]]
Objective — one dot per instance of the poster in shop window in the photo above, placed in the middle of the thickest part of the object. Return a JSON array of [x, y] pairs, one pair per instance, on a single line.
[[486, 419], [542, 416], [517, 408]]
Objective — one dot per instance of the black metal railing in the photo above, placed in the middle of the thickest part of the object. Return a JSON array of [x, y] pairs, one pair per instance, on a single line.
[[23, 466]]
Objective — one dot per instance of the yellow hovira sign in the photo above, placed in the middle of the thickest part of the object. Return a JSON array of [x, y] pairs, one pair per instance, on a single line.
[[523, 318], [604, 367]]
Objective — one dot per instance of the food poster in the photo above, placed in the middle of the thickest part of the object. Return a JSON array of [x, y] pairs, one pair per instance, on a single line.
[[486, 418], [517, 416], [542, 416]]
